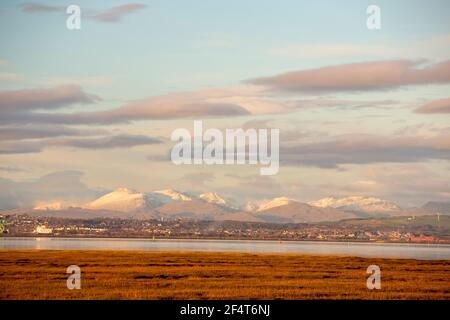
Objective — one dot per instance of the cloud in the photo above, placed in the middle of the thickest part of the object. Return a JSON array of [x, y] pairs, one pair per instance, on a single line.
[[22, 147], [226, 102], [365, 149], [378, 75], [118, 141], [37, 7], [436, 106], [154, 109], [115, 14], [111, 15], [13, 105], [34, 99], [19, 106], [42, 131], [140, 111], [57, 186]]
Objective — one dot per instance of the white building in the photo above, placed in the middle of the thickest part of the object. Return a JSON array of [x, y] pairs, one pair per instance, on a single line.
[[43, 230]]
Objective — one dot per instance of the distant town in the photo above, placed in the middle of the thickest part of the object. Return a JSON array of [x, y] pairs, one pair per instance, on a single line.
[[424, 229]]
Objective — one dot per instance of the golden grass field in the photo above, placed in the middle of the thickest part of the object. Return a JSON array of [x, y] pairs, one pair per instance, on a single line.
[[34, 274]]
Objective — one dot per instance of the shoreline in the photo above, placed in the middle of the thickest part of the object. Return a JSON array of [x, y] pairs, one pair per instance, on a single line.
[[420, 252], [437, 243]]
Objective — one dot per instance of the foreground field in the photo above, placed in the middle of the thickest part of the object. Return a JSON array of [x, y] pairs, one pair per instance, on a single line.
[[28, 274]]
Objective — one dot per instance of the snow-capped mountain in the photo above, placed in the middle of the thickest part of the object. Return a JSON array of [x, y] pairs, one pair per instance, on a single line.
[[286, 210], [124, 200], [172, 204], [174, 195], [212, 197], [357, 203], [276, 202], [256, 206]]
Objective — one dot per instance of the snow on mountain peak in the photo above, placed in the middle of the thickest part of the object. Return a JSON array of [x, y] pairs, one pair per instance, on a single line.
[[121, 199], [212, 197], [276, 202], [174, 195], [358, 203]]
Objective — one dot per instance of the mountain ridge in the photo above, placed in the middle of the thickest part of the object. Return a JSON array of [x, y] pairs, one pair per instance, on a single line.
[[173, 204], [357, 203]]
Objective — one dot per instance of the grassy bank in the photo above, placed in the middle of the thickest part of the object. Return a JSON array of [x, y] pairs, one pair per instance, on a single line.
[[33, 274]]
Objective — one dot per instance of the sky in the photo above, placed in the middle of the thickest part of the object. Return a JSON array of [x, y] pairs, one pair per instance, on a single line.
[[360, 111]]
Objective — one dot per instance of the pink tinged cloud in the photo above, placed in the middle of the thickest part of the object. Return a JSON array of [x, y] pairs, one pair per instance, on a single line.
[[436, 106], [115, 14], [53, 98], [364, 149], [378, 75], [21, 106], [109, 142], [37, 7]]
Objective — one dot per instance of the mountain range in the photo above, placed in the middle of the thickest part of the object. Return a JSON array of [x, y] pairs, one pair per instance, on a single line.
[[172, 204]]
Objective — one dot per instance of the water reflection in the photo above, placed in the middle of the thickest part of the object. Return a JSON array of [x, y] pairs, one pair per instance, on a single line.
[[381, 250]]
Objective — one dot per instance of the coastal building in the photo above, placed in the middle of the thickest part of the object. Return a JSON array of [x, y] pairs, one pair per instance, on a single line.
[[43, 230]]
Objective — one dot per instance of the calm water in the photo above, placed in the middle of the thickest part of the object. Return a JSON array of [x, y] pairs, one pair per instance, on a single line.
[[373, 250]]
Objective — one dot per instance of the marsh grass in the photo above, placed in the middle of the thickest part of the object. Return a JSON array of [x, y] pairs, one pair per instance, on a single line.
[[28, 274]]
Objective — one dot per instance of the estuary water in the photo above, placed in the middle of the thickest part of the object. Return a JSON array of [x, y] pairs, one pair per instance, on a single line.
[[359, 249]]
